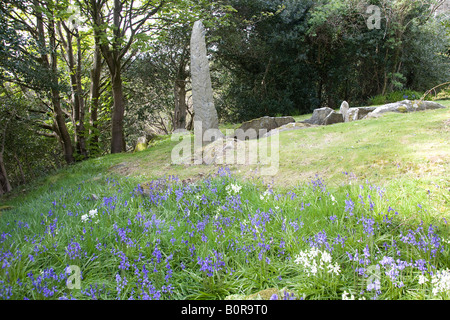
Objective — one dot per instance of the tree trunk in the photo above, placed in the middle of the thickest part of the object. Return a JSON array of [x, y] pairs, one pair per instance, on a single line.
[[117, 141], [126, 20], [179, 115], [76, 89], [56, 99], [95, 95], [113, 59], [5, 186], [19, 164], [81, 130]]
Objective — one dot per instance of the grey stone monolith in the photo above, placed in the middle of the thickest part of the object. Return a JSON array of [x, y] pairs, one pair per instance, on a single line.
[[205, 114]]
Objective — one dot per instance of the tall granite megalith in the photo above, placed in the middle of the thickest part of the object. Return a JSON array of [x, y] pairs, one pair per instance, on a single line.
[[206, 122]]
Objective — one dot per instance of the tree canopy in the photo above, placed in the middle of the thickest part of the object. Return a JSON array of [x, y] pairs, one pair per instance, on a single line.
[[82, 78]]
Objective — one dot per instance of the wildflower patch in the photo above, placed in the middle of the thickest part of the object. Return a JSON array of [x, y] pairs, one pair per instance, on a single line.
[[223, 238]]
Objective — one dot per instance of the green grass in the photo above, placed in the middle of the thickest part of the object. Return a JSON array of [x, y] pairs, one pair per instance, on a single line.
[[378, 187]]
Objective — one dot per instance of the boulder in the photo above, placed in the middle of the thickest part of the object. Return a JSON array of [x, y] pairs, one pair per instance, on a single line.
[[404, 107], [141, 144], [288, 127], [401, 107], [362, 112], [256, 128], [333, 117], [428, 105], [353, 114], [220, 151], [319, 115]]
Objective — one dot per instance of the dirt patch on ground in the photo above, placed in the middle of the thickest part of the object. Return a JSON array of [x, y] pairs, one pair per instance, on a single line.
[[447, 125], [127, 168]]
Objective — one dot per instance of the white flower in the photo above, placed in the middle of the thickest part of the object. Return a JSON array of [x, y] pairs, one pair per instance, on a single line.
[[314, 252], [93, 213], [310, 262], [84, 218], [422, 279], [441, 282], [313, 269], [326, 257], [233, 188], [333, 199], [336, 269], [345, 296]]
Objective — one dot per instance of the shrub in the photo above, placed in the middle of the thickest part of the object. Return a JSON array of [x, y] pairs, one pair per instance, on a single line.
[[394, 97]]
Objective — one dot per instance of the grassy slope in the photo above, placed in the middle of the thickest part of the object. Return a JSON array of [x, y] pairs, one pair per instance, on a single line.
[[407, 152]]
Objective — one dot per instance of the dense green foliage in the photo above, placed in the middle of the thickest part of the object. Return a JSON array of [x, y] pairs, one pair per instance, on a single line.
[[291, 57], [73, 88]]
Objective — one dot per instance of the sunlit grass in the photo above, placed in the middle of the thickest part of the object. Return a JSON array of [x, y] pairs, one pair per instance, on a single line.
[[373, 195]]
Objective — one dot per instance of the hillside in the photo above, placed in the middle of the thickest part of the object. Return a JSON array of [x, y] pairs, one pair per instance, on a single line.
[[396, 147], [378, 188]]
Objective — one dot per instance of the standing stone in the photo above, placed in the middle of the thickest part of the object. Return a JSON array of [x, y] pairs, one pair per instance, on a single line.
[[319, 115], [344, 111], [205, 114]]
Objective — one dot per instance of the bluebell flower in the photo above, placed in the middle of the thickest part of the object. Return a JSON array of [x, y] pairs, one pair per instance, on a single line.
[[73, 250], [349, 206]]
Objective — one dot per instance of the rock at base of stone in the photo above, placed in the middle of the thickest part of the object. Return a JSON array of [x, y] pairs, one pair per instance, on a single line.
[[257, 128], [361, 112], [220, 152], [289, 127], [333, 117], [319, 115], [141, 144], [353, 114]]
